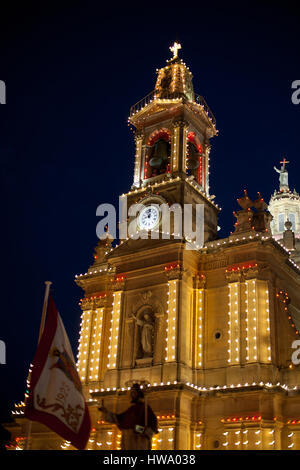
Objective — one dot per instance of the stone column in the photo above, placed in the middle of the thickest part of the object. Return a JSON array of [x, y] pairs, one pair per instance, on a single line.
[[138, 159]]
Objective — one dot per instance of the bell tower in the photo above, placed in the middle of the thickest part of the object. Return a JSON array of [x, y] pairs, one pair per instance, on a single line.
[[144, 299], [173, 127]]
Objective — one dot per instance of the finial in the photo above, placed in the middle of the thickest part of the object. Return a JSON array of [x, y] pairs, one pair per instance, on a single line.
[[259, 204], [175, 48], [245, 202], [288, 225]]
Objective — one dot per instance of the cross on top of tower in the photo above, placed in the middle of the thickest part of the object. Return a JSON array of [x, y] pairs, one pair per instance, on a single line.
[[175, 48], [284, 162]]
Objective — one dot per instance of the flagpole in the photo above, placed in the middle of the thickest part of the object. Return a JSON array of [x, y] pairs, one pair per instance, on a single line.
[[42, 325], [45, 305]]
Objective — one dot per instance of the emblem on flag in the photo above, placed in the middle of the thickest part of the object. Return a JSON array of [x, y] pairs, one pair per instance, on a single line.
[[66, 364]]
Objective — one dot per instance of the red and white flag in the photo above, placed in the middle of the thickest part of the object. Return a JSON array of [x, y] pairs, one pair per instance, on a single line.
[[55, 397]]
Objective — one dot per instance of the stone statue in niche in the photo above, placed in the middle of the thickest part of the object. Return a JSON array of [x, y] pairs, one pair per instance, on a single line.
[[145, 326]]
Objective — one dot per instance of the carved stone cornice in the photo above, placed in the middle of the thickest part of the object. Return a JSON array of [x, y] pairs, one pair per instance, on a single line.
[[174, 272], [179, 122], [234, 276], [244, 271], [214, 262], [93, 302], [118, 283]]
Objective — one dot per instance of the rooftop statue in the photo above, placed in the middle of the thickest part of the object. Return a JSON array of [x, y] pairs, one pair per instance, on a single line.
[[283, 175]]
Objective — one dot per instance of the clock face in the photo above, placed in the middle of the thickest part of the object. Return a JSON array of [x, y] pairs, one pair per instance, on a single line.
[[149, 218]]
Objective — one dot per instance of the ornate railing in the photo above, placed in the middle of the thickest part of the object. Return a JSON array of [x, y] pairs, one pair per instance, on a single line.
[[201, 101], [198, 99], [142, 103]]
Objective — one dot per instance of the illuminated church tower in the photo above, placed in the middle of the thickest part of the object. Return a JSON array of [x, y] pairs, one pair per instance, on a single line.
[[173, 127], [154, 285], [208, 330]]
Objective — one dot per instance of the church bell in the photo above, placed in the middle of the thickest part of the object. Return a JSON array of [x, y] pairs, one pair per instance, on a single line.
[[193, 158], [160, 153]]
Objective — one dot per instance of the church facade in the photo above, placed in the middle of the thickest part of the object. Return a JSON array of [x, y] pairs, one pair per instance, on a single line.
[[208, 331]]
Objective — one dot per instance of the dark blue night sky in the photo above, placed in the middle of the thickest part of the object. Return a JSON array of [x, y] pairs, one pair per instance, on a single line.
[[72, 71]]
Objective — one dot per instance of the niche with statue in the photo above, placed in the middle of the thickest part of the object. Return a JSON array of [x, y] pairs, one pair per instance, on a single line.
[[144, 335]]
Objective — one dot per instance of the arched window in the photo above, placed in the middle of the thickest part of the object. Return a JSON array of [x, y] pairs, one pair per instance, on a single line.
[[281, 223], [292, 219], [157, 158], [194, 158]]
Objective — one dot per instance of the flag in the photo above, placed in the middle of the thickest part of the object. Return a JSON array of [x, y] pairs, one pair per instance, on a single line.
[[55, 394]]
